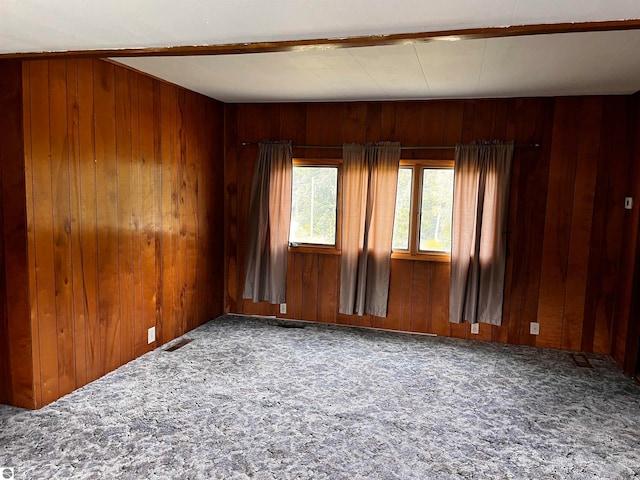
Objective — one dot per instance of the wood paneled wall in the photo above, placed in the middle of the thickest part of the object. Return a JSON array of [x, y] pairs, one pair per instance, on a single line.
[[16, 374], [124, 180], [565, 213], [630, 282]]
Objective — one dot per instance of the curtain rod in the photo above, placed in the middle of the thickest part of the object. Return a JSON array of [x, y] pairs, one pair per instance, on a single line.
[[417, 147]]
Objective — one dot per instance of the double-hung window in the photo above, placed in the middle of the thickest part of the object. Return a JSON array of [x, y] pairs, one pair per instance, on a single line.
[[424, 200], [315, 205]]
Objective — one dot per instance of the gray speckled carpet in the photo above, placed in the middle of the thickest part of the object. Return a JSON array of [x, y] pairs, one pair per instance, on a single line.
[[249, 399]]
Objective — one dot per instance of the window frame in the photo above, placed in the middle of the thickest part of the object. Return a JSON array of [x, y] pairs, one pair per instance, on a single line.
[[317, 247], [414, 252]]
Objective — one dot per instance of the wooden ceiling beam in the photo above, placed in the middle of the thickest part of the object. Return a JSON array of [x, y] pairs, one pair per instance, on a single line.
[[334, 43]]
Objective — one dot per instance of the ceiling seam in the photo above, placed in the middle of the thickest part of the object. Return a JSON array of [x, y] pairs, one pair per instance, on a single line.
[[424, 75], [484, 49], [367, 72]]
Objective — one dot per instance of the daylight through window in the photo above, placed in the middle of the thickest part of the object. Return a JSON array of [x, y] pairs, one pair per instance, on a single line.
[[424, 201], [314, 202]]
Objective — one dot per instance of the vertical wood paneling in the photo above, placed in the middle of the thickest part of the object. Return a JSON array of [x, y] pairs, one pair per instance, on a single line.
[[139, 337], [309, 308], [212, 156], [17, 367], [88, 224], [560, 210], [79, 307], [146, 165], [439, 299], [580, 236], [407, 289], [509, 330], [629, 313], [297, 285], [566, 131], [61, 218], [191, 209], [33, 299], [157, 213], [230, 212], [107, 215], [615, 295], [536, 126], [203, 235], [6, 389], [41, 223], [167, 99], [394, 305], [123, 201], [125, 238], [421, 283], [328, 288]]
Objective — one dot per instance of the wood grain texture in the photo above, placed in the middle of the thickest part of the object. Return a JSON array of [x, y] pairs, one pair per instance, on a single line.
[[118, 192], [566, 135], [123, 209], [562, 203], [17, 367], [61, 218], [580, 235], [342, 42], [41, 222], [107, 215]]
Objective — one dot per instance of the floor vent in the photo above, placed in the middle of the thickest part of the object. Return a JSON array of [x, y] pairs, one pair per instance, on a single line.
[[178, 345], [290, 325], [581, 360]]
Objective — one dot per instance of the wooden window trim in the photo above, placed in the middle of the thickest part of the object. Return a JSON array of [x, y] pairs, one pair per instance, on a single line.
[[422, 256], [414, 253], [315, 247]]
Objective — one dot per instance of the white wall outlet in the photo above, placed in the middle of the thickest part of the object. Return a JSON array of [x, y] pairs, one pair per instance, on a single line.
[[628, 203], [475, 328], [283, 308], [534, 328], [151, 335]]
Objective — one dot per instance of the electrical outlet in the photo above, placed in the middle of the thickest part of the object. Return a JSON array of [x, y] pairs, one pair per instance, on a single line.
[[534, 328], [151, 335], [475, 328], [283, 308]]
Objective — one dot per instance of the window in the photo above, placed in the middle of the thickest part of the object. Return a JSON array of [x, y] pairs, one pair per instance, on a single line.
[[424, 201], [314, 204]]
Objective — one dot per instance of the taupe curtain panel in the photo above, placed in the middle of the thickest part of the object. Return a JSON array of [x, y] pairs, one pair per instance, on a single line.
[[269, 218], [478, 245], [370, 178]]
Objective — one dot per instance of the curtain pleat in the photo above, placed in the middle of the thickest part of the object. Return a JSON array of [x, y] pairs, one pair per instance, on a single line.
[[370, 177], [355, 178], [478, 246], [269, 219]]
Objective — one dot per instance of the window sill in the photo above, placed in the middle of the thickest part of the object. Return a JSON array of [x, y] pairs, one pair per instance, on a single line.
[[422, 257], [316, 249]]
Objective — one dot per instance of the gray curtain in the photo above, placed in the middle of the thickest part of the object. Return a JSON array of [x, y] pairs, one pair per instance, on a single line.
[[269, 219], [478, 246], [370, 178]]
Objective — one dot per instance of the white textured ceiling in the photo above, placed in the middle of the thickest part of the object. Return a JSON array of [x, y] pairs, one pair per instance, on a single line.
[[603, 62], [50, 25], [538, 65]]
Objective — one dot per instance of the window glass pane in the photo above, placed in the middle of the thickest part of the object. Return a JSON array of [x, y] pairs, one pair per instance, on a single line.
[[403, 210], [436, 208], [313, 205]]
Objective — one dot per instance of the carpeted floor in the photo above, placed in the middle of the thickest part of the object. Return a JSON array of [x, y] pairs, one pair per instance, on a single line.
[[249, 399]]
